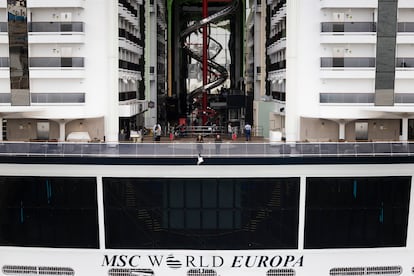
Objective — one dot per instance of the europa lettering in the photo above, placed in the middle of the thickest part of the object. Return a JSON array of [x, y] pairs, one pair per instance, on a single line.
[[196, 261]]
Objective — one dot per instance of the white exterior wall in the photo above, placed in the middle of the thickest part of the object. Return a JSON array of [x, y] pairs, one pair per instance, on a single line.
[[98, 79], [306, 79]]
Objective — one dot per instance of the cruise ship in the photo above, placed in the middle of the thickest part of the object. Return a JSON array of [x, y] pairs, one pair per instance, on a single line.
[[240, 209], [80, 80]]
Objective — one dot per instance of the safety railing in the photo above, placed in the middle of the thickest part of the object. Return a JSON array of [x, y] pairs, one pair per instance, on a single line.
[[225, 149]]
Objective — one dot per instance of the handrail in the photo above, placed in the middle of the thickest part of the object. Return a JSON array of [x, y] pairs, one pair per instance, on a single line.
[[224, 149]]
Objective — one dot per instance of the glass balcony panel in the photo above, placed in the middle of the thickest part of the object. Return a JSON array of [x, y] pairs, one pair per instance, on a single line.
[[404, 62], [348, 62], [56, 27], [57, 97], [3, 27], [406, 27], [56, 62], [348, 27]]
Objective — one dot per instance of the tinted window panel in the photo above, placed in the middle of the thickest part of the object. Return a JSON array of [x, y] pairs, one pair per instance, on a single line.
[[201, 214], [48, 211], [357, 212]]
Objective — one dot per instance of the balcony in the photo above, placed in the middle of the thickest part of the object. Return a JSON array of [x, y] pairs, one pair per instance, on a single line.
[[56, 32], [404, 68], [5, 98], [405, 63], [347, 68], [57, 98], [55, 3], [56, 62], [56, 67], [347, 98], [344, 27], [125, 4], [348, 38], [4, 62], [354, 62], [279, 95], [56, 27], [277, 46], [406, 27], [277, 66]]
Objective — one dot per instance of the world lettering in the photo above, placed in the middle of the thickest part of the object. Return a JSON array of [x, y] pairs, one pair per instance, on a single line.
[[200, 261]]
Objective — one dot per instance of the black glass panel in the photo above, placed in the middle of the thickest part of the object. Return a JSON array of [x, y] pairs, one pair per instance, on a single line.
[[48, 211], [356, 212], [201, 213]]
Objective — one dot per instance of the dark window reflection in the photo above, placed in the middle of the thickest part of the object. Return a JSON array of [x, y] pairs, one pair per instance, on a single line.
[[48, 211], [356, 212], [201, 213]]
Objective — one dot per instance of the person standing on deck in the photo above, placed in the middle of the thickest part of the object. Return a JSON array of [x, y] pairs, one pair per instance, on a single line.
[[247, 130]]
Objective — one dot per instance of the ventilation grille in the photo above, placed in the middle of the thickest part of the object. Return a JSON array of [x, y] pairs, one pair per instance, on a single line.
[[37, 270], [201, 272], [130, 272], [19, 270], [281, 272], [373, 270]]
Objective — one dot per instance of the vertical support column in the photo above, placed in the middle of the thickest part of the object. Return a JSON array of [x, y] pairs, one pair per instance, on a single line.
[[18, 52], [292, 121], [62, 131], [385, 57], [111, 119], [404, 130], [341, 130]]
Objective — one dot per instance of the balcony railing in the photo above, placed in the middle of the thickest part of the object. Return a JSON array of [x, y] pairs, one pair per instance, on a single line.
[[404, 62], [406, 27], [348, 27], [3, 27], [347, 98], [56, 26], [153, 150], [4, 62], [56, 62], [348, 62]]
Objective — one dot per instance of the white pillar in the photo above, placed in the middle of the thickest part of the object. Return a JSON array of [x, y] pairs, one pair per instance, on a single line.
[[111, 118], [62, 131], [341, 130], [404, 133], [292, 122]]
